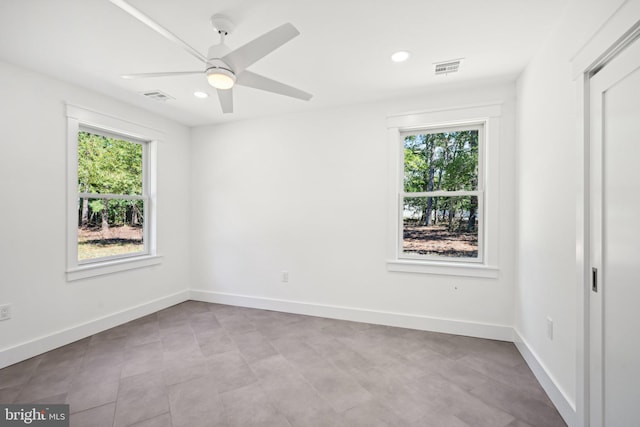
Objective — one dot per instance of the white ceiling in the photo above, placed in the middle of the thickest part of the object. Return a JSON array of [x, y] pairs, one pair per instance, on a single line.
[[341, 56]]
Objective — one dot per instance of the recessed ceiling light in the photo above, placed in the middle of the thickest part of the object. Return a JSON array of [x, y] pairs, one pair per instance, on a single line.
[[200, 95], [400, 56]]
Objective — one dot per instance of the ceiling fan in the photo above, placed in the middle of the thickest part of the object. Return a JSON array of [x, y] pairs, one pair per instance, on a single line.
[[224, 67]]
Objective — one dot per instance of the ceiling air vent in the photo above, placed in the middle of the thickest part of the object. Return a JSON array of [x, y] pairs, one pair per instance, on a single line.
[[156, 95], [447, 67]]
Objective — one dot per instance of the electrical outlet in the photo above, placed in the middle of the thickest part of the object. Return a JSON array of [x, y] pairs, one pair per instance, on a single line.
[[5, 312], [550, 328], [285, 276]]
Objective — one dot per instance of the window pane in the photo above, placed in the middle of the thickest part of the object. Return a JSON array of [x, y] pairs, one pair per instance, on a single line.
[[445, 161], [109, 227], [441, 226], [108, 165]]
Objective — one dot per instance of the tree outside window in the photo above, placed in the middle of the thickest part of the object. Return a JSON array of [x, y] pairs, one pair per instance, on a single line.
[[441, 206], [111, 199]]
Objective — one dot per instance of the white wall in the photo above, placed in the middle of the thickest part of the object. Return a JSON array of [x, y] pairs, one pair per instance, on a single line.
[[33, 208], [548, 153], [307, 193]]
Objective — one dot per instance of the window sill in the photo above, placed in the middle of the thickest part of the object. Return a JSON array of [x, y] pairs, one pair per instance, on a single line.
[[110, 267], [444, 269]]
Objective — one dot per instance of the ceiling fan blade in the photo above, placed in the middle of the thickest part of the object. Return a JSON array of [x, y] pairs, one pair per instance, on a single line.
[[256, 81], [244, 56], [122, 4], [167, 74], [226, 100]]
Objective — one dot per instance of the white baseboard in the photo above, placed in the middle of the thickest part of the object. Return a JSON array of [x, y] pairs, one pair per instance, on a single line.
[[26, 350], [563, 404], [411, 321]]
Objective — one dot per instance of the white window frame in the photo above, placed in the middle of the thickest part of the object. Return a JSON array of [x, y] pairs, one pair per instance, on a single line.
[[398, 126], [82, 119]]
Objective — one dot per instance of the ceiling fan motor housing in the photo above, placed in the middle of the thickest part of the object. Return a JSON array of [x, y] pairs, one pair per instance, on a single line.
[[217, 51]]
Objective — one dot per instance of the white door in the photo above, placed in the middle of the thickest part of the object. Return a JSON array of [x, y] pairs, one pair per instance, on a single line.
[[615, 242]]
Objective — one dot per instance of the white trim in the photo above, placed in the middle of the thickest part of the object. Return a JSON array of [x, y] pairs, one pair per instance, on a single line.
[[73, 127], [110, 123], [583, 268], [112, 196], [151, 190], [393, 169], [402, 320], [449, 268], [25, 350], [84, 271], [444, 117], [442, 193], [464, 126], [612, 33], [79, 118], [558, 396]]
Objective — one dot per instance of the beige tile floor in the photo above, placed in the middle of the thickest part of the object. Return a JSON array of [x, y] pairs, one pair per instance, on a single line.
[[198, 364]]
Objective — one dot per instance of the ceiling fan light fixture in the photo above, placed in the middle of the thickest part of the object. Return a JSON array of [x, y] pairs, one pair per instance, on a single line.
[[221, 78]]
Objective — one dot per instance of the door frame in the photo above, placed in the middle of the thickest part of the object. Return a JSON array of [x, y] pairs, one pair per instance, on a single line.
[[616, 33]]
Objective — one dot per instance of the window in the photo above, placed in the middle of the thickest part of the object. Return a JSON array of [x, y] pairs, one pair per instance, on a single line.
[[442, 199], [111, 194], [443, 175]]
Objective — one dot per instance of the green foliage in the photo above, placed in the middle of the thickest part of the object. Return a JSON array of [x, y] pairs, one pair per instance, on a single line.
[[96, 205], [446, 161], [451, 157], [109, 166]]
